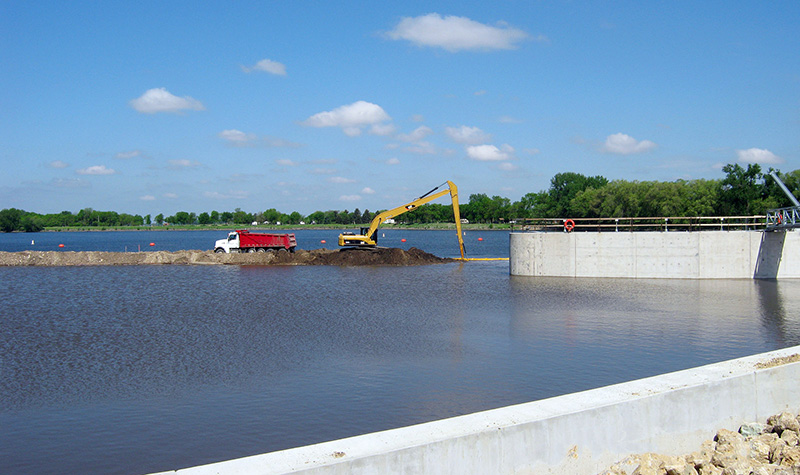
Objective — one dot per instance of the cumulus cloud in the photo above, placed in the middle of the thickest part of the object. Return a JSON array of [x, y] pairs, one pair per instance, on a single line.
[[490, 153], [622, 144], [349, 198], [160, 100], [58, 164], [416, 135], [350, 118], [758, 155], [267, 66], [171, 196], [467, 135], [368, 191], [382, 129], [393, 161], [340, 179], [285, 162], [96, 170], [422, 148], [147, 198], [454, 33]]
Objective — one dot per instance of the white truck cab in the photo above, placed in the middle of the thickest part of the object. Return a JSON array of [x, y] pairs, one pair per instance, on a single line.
[[225, 245]]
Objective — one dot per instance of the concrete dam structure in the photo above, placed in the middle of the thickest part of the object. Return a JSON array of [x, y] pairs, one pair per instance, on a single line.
[[659, 255]]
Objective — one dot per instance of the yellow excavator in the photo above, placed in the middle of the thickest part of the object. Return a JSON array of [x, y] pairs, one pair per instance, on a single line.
[[369, 238]]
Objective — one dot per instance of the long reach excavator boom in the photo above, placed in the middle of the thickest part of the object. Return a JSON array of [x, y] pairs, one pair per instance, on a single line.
[[369, 237]]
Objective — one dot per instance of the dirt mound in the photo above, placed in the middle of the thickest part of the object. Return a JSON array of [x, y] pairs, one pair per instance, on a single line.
[[344, 257]]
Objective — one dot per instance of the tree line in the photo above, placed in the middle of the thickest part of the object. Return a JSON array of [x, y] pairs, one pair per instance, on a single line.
[[742, 192]]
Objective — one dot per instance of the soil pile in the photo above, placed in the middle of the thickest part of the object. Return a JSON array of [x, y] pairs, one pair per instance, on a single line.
[[344, 257], [771, 448]]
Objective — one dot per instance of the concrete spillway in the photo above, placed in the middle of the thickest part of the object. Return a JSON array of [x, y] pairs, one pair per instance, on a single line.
[[662, 255]]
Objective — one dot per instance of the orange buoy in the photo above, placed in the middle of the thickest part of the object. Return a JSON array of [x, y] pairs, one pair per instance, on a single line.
[[323, 241], [403, 240], [480, 239], [152, 244], [569, 225], [60, 245]]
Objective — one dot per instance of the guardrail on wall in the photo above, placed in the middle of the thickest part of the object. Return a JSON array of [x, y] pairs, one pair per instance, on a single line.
[[783, 218], [677, 223]]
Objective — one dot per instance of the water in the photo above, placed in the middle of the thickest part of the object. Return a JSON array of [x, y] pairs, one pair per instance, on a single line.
[[150, 368], [441, 243]]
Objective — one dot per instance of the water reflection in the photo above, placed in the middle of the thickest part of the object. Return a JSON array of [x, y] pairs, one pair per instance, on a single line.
[[137, 369]]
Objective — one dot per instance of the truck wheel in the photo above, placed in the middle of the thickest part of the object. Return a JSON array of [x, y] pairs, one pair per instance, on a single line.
[[261, 249], [251, 249], [291, 249], [219, 250]]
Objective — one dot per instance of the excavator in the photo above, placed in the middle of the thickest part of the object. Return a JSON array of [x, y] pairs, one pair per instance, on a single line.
[[369, 237]]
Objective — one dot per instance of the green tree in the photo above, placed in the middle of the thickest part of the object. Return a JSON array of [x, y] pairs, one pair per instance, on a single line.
[[740, 189], [159, 219], [204, 218], [10, 219]]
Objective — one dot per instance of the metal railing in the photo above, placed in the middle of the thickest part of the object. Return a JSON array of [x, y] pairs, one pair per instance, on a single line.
[[783, 218], [677, 223]]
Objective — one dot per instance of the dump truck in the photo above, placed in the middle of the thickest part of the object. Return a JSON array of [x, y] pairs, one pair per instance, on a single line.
[[243, 240]]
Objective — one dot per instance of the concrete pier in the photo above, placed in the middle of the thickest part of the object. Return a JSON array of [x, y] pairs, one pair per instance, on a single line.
[[580, 433], [662, 255]]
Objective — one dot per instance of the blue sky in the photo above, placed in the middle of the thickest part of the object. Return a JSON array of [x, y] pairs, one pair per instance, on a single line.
[[157, 107]]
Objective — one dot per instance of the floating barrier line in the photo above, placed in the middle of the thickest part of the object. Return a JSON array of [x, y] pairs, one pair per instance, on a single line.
[[481, 258]]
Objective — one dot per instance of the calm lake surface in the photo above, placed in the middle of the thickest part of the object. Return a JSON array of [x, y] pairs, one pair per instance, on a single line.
[[139, 369]]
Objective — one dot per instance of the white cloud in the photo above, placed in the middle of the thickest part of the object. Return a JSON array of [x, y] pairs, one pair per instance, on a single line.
[[340, 179], [171, 196], [418, 118], [147, 198], [160, 100], [236, 136], [70, 183], [127, 155], [58, 164], [350, 118], [267, 66], [285, 162], [393, 161], [622, 144], [455, 33], [382, 129], [490, 153], [758, 155], [416, 135], [532, 151], [507, 166], [368, 191], [350, 198], [507, 119], [182, 163], [96, 170], [467, 135]]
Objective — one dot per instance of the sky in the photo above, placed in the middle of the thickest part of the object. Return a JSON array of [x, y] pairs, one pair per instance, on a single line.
[[157, 107]]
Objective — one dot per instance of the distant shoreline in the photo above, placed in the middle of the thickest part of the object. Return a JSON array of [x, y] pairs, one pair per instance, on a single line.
[[282, 228]]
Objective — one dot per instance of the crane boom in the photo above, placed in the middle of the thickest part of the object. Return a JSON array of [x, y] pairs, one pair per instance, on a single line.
[[368, 237]]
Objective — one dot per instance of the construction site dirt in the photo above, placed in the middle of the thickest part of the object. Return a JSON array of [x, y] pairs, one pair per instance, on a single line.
[[343, 257]]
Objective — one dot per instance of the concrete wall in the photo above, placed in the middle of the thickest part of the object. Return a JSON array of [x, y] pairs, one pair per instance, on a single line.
[[580, 433], [678, 255]]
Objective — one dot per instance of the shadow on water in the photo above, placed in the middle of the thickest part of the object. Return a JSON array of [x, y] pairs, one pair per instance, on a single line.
[[780, 309]]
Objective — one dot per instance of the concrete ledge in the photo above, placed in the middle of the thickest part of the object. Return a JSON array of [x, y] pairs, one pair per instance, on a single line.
[[663, 255], [580, 433]]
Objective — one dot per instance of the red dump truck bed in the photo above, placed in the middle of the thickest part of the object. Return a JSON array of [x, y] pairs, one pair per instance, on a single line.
[[266, 240]]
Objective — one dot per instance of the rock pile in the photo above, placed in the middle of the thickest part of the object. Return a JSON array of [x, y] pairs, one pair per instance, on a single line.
[[757, 449], [351, 257]]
